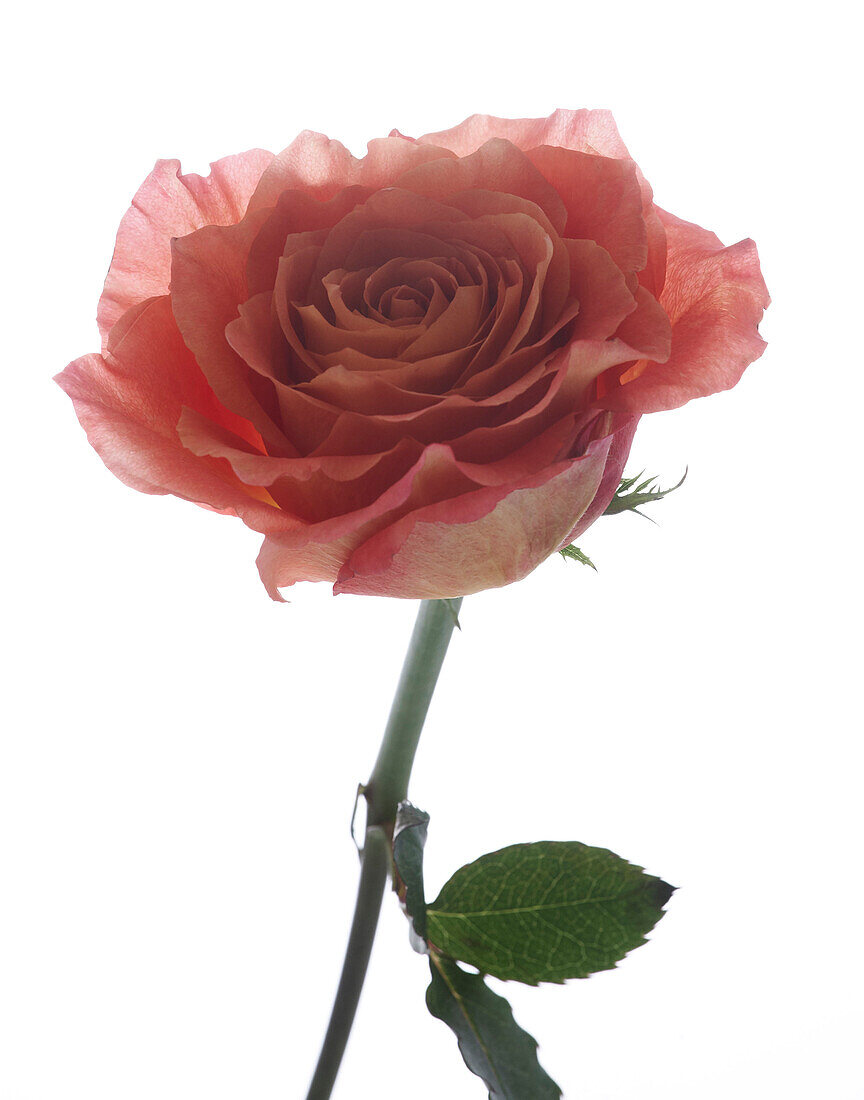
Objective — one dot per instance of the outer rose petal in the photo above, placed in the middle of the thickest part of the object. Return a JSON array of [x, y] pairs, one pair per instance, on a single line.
[[586, 131], [318, 165], [317, 550], [621, 435], [715, 298], [168, 205], [129, 403], [483, 539]]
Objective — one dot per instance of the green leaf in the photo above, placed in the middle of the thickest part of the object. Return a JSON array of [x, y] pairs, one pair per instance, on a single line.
[[629, 497], [545, 912], [491, 1042], [409, 839], [575, 554]]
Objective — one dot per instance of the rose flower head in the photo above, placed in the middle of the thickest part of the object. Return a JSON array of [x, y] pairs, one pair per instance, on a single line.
[[418, 373]]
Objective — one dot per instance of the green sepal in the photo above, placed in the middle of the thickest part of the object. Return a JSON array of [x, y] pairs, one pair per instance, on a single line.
[[630, 496], [492, 1044], [545, 912], [575, 554]]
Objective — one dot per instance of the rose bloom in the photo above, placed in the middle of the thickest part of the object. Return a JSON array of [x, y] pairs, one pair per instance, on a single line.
[[418, 373]]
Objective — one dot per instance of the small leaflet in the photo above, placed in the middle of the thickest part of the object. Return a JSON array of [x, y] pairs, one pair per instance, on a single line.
[[491, 1042]]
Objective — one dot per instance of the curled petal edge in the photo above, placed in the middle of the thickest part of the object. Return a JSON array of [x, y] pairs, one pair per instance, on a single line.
[[484, 539]]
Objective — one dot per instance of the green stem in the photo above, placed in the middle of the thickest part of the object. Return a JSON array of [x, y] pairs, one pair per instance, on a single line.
[[387, 787]]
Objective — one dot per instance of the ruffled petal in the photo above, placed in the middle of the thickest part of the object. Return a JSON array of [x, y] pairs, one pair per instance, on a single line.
[[586, 131], [714, 297], [129, 402], [323, 167], [169, 204]]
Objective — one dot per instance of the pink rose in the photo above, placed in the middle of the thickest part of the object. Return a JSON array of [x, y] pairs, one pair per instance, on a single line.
[[417, 374]]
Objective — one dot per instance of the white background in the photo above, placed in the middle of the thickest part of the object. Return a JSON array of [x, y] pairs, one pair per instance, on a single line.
[[181, 754]]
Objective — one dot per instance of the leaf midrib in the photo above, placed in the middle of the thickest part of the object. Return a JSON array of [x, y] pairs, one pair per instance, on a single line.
[[514, 911], [469, 1019]]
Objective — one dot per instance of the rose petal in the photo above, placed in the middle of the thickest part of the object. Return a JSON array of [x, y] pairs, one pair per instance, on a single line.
[[484, 204], [484, 539], [647, 328], [129, 408], [586, 131], [365, 394], [168, 205], [454, 329], [316, 164], [715, 298], [319, 499], [293, 276], [318, 550], [449, 418], [497, 165], [550, 446], [602, 291], [620, 432], [583, 131], [257, 337], [602, 199], [295, 213], [399, 216], [435, 375], [208, 283], [204, 437]]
